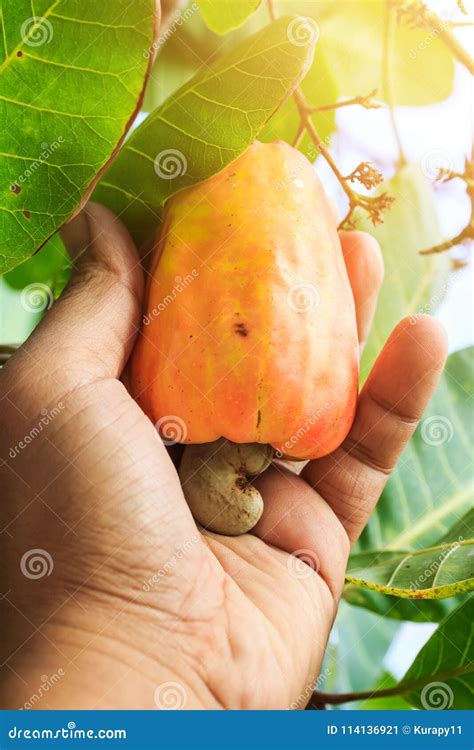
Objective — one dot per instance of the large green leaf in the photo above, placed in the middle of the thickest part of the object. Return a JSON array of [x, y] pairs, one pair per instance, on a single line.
[[223, 15], [204, 126], [415, 610], [352, 39], [432, 487], [434, 573], [442, 675], [412, 283], [419, 609], [71, 77]]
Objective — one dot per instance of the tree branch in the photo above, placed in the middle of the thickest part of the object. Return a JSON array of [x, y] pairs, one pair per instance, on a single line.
[[319, 697], [364, 172], [420, 15]]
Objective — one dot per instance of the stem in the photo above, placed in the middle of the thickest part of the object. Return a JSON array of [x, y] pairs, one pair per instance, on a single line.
[[272, 10], [364, 101], [372, 204], [459, 52], [319, 697], [466, 234], [387, 79], [420, 13]]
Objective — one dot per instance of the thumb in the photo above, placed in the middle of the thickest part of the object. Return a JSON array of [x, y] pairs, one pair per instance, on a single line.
[[88, 334]]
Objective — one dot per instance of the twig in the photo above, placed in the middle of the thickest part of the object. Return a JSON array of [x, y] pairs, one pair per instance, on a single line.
[[467, 233], [420, 15], [364, 172], [319, 697], [364, 101], [387, 79]]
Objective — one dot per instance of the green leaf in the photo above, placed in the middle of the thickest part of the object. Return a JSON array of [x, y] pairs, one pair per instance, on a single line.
[[204, 126], [71, 77], [388, 703], [357, 647], [415, 610], [432, 487], [223, 15], [28, 291], [443, 671], [412, 283], [50, 266], [319, 88], [352, 38], [434, 573]]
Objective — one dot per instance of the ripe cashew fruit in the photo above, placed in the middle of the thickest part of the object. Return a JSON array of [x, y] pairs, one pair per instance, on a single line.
[[249, 334]]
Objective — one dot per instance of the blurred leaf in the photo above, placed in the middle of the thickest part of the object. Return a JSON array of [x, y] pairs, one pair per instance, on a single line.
[[357, 647], [71, 78], [223, 15], [182, 51], [28, 291], [388, 703], [16, 322], [319, 88], [352, 41], [444, 668], [203, 127], [412, 283], [433, 573], [50, 266], [432, 487]]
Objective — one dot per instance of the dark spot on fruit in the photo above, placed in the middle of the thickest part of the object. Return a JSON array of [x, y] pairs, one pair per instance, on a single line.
[[15, 188], [26, 214], [241, 329], [259, 417]]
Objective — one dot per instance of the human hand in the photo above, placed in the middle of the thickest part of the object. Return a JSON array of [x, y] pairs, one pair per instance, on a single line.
[[140, 609]]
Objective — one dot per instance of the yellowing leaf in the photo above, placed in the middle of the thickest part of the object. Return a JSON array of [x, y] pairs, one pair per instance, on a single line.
[[223, 15]]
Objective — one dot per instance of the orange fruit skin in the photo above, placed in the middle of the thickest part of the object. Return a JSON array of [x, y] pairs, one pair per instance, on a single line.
[[249, 329]]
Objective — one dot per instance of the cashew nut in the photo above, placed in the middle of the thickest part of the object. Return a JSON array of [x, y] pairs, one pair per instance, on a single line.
[[216, 483]]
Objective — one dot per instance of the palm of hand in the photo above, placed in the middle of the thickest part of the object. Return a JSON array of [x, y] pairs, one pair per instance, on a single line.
[[236, 622]]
